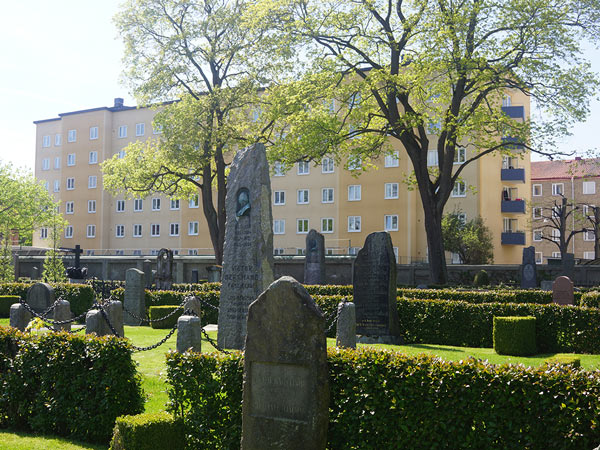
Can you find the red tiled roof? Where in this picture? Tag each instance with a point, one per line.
(561, 169)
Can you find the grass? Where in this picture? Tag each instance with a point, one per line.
(151, 365)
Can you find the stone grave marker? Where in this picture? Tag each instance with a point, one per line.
(546, 285)
(314, 261)
(19, 316)
(164, 269)
(346, 325)
(96, 323)
(134, 298)
(562, 291)
(374, 286)
(286, 389)
(148, 274)
(189, 334)
(248, 250)
(568, 265)
(40, 297)
(528, 269)
(62, 312)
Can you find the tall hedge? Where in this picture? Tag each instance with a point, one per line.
(64, 384)
(381, 400)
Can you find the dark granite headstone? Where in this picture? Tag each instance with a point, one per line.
(314, 260)
(562, 291)
(286, 383)
(40, 297)
(568, 265)
(375, 289)
(248, 251)
(148, 274)
(164, 269)
(528, 269)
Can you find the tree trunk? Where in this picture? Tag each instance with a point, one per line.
(435, 246)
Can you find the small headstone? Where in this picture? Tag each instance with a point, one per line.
(164, 269)
(96, 323)
(40, 297)
(346, 325)
(314, 261)
(248, 251)
(286, 383)
(375, 289)
(546, 285)
(562, 291)
(528, 269)
(189, 334)
(148, 274)
(19, 316)
(134, 297)
(193, 304)
(62, 312)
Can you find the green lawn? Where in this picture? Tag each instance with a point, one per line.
(152, 366)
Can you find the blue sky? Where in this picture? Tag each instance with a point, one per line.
(66, 55)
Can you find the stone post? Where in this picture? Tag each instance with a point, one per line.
(19, 316)
(189, 334)
(346, 326)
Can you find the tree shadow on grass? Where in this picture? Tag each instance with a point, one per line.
(27, 440)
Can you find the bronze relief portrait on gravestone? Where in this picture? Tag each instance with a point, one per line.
(243, 202)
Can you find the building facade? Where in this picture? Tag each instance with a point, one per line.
(332, 198)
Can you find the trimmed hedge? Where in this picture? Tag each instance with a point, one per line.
(148, 432)
(564, 359)
(424, 403)
(68, 385)
(156, 312)
(591, 299)
(5, 303)
(514, 336)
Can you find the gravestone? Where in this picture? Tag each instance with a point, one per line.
(148, 273)
(286, 389)
(528, 269)
(195, 276)
(562, 291)
(346, 325)
(214, 274)
(568, 265)
(314, 261)
(248, 250)
(189, 334)
(546, 285)
(19, 316)
(62, 312)
(193, 304)
(374, 276)
(96, 323)
(40, 297)
(164, 269)
(134, 298)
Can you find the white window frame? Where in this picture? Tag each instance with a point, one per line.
(46, 141)
(193, 228)
(120, 206)
(302, 197)
(555, 234)
(303, 168)
(155, 204)
(174, 229)
(457, 191)
(327, 195)
(57, 140)
(138, 230)
(91, 207)
(72, 136)
(537, 235)
(154, 229)
(120, 231)
(57, 162)
(391, 191)
(71, 159)
(539, 257)
(537, 190)
(92, 182)
(354, 224)
(460, 156)
(70, 183)
(279, 198)
(390, 222)
(122, 133)
(175, 204)
(355, 163)
(327, 165)
(302, 226)
(555, 189)
(138, 204)
(432, 158)
(588, 187)
(156, 128)
(277, 251)
(69, 207)
(588, 236)
(140, 129)
(69, 232)
(194, 202)
(278, 169)
(46, 164)
(354, 192)
(556, 254)
(589, 255)
(327, 225)
(279, 226)
(93, 157)
(588, 210)
(44, 233)
(392, 160)
(122, 153)
(93, 133)
(539, 210)
(90, 231)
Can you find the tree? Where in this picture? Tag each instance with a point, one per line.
(472, 240)
(592, 224)
(54, 268)
(429, 75)
(197, 52)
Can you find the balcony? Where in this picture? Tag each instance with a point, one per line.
(512, 238)
(513, 206)
(513, 174)
(514, 112)
(516, 144)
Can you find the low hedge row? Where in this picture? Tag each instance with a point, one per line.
(5, 303)
(64, 384)
(148, 432)
(424, 403)
(156, 312)
(514, 336)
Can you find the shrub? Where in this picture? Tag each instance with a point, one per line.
(69, 385)
(156, 312)
(5, 303)
(148, 432)
(591, 299)
(565, 360)
(481, 278)
(424, 403)
(514, 336)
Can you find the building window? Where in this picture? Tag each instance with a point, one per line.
(137, 253)
(46, 141)
(122, 154)
(175, 204)
(455, 258)
(193, 228)
(460, 156)
(72, 136)
(138, 204)
(69, 231)
(140, 129)
(47, 185)
(539, 257)
(555, 234)
(279, 226)
(392, 160)
(303, 168)
(391, 222)
(57, 140)
(353, 224)
(91, 231)
(300, 251)
(355, 163)
(194, 201)
(301, 226)
(506, 100)
(588, 210)
(93, 157)
(278, 169)
(327, 165)
(537, 212)
(537, 190)
(120, 231)
(137, 230)
(589, 255)
(537, 235)
(123, 131)
(589, 187)
(71, 159)
(57, 162)
(327, 225)
(156, 128)
(93, 133)
(353, 251)
(69, 207)
(120, 205)
(174, 229)
(460, 189)
(354, 192)
(91, 206)
(154, 229)
(46, 164)
(432, 158)
(391, 190)
(302, 196)
(589, 235)
(156, 204)
(70, 184)
(193, 252)
(557, 188)
(279, 198)
(277, 251)
(92, 182)
(327, 195)
(556, 254)
(44, 233)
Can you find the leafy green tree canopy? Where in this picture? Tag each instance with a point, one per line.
(471, 240)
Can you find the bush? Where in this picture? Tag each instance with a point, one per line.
(5, 303)
(148, 432)
(564, 360)
(64, 384)
(514, 336)
(424, 403)
(156, 312)
(481, 279)
(591, 299)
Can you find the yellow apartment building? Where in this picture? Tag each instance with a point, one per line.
(343, 205)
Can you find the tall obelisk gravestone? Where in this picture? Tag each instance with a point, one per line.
(248, 252)
(314, 261)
